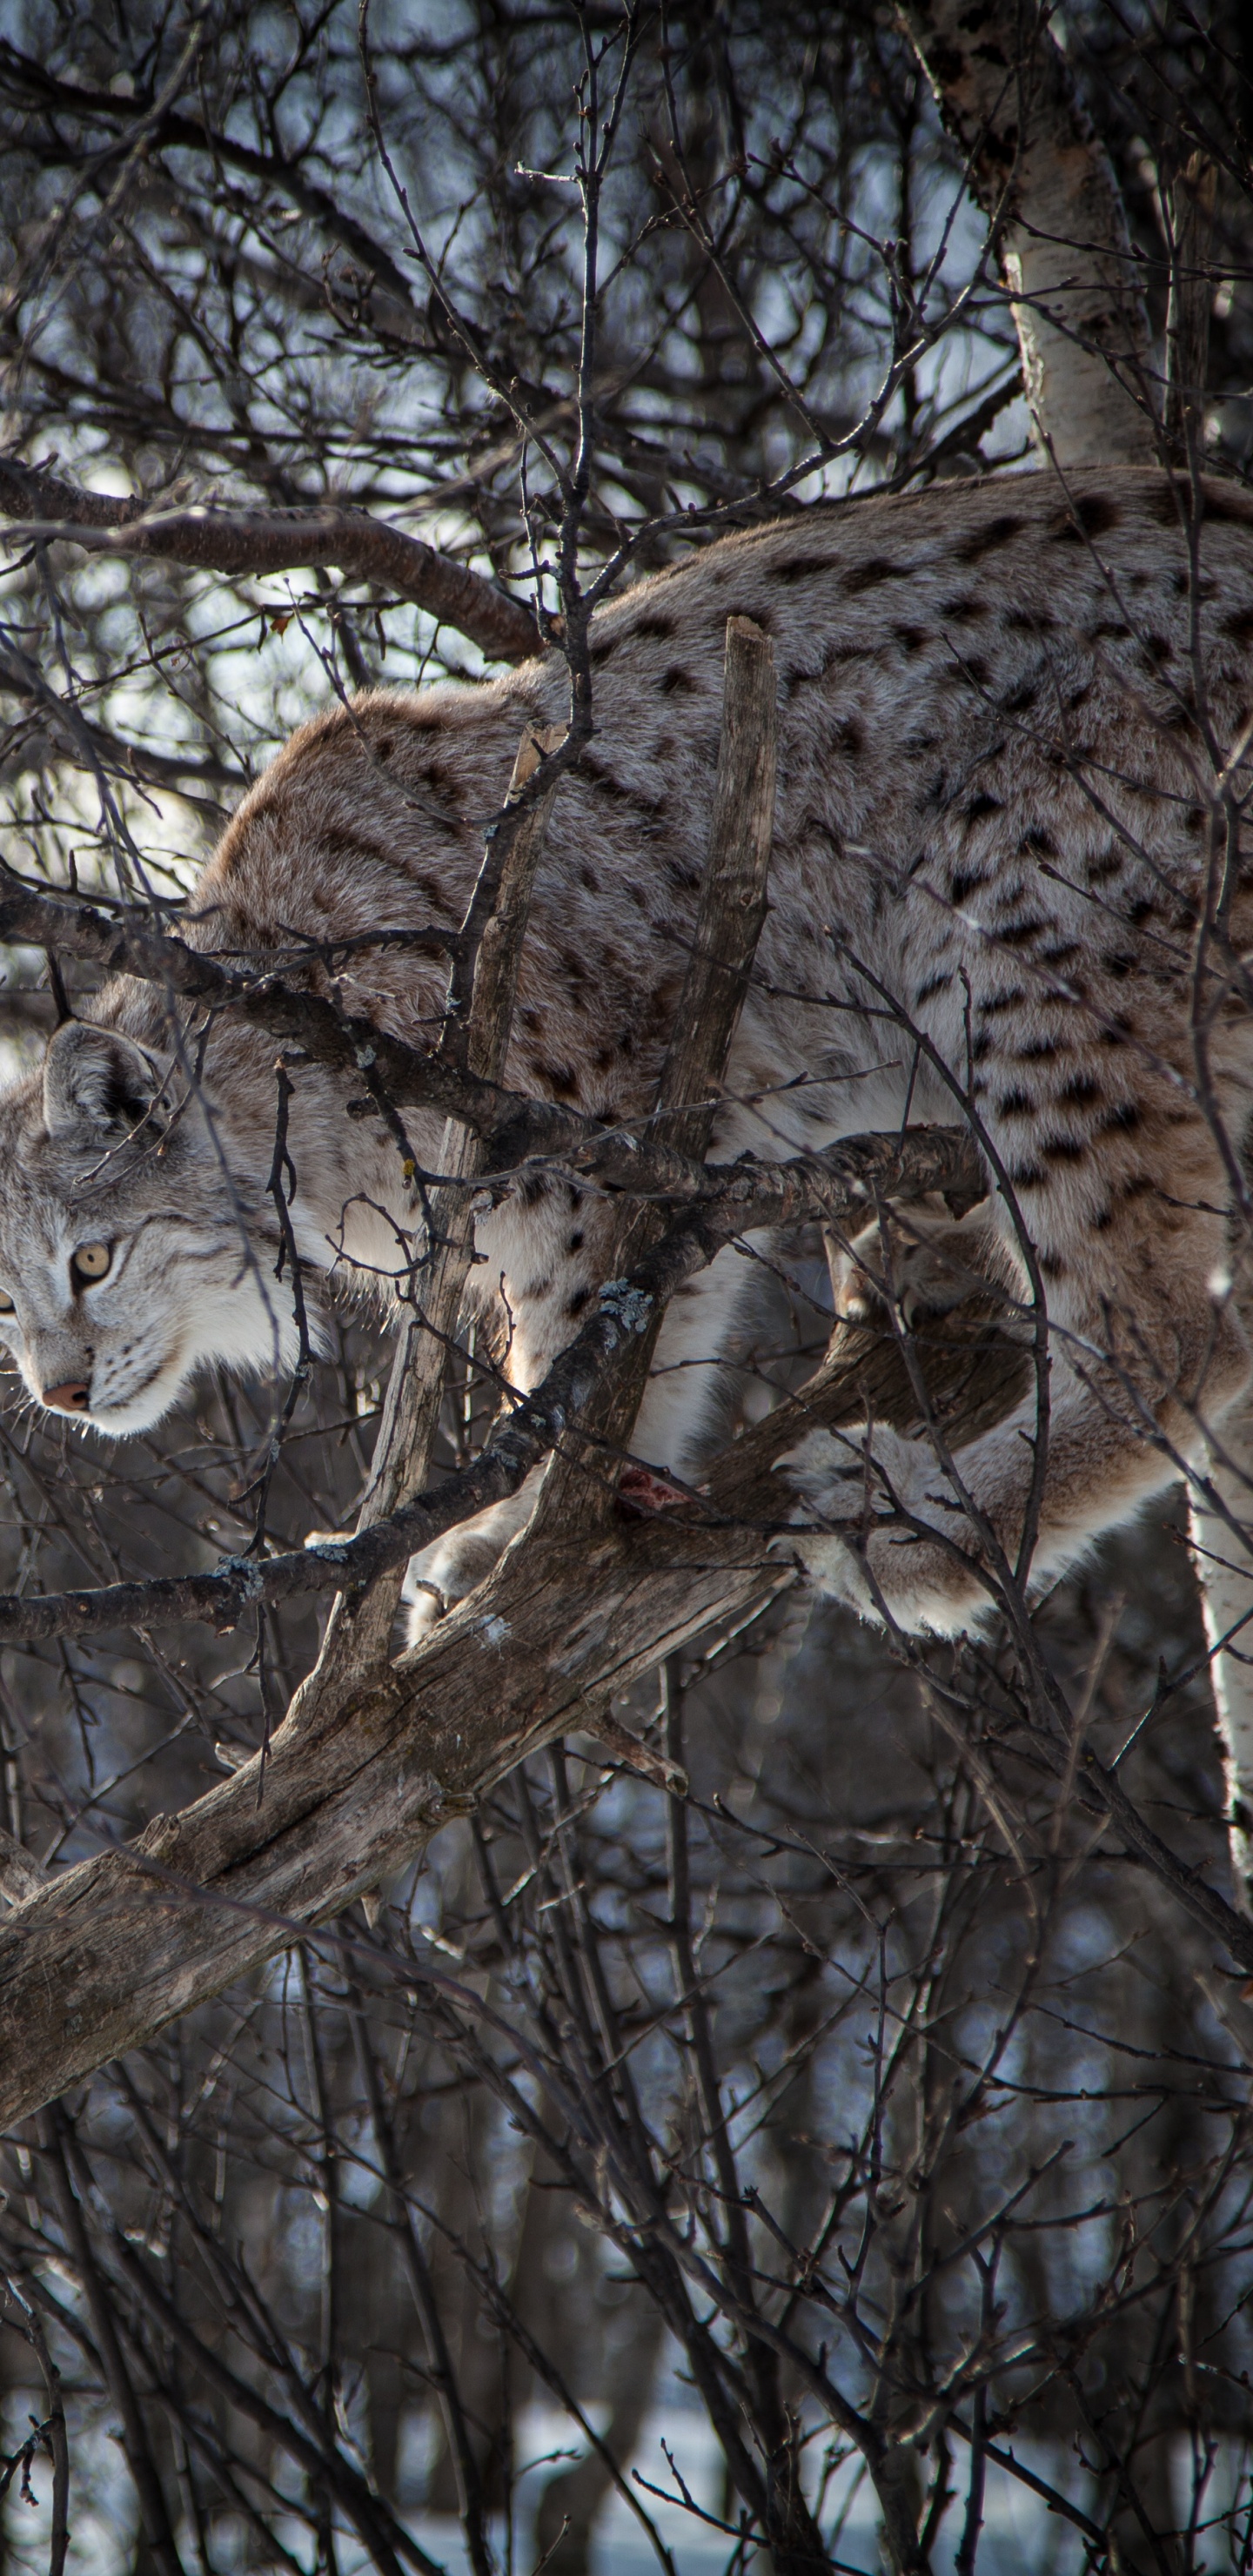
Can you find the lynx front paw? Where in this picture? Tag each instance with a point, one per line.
(444, 1573)
(457, 1563)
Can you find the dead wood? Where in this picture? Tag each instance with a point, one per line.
(478, 1017)
(729, 917)
(1193, 200)
(102, 1956)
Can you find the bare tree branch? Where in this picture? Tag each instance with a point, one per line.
(908, 2105)
(44, 509)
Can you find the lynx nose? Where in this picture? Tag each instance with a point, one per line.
(73, 1397)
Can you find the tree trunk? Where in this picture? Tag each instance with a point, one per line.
(1045, 181)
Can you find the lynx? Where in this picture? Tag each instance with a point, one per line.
(1013, 719)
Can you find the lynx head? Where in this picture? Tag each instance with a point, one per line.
(128, 1256)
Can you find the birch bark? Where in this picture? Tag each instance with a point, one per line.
(1046, 182)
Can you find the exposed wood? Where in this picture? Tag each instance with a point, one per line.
(1223, 1556)
(1039, 171)
(20, 1873)
(483, 980)
(732, 904)
(490, 948)
(114, 1947)
(373, 1756)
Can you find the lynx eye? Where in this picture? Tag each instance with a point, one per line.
(7, 1306)
(92, 1261)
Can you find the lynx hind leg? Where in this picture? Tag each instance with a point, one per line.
(890, 1529)
(926, 1261)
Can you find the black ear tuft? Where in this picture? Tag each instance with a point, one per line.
(96, 1078)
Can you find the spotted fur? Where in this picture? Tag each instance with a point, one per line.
(1003, 708)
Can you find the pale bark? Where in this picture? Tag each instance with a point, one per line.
(1223, 1554)
(485, 971)
(1045, 179)
(321, 1777)
(112, 1949)
(729, 918)
(373, 1756)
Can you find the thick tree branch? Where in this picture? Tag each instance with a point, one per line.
(478, 1016)
(729, 918)
(1188, 317)
(732, 905)
(105, 1953)
(45, 509)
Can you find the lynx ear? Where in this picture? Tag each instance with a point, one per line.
(95, 1078)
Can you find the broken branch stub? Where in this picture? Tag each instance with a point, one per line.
(372, 1758)
(116, 1946)
(733, 902)
(1193, 199)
